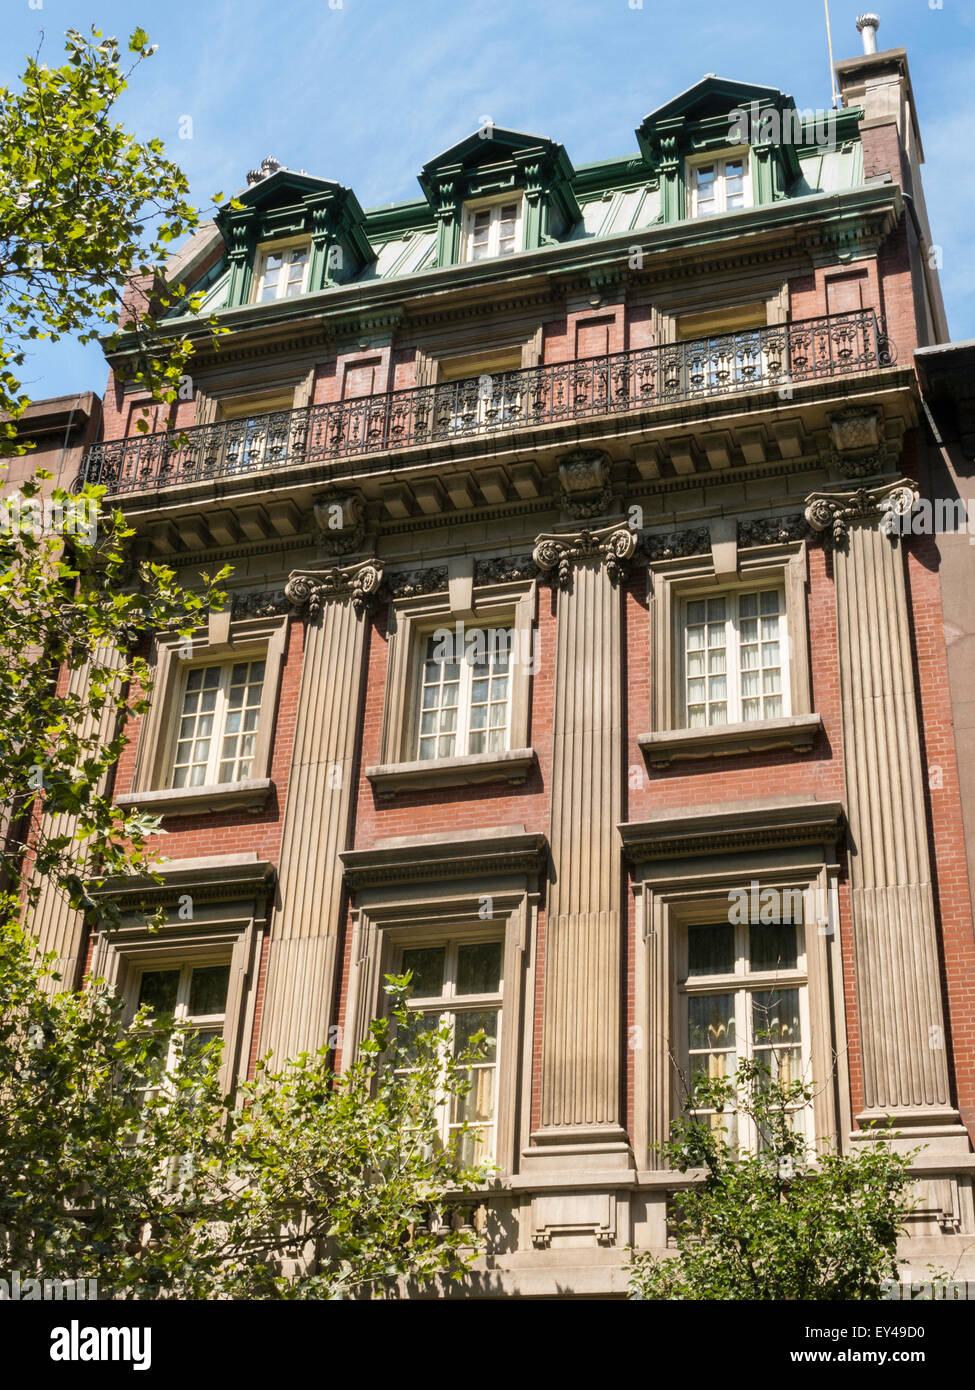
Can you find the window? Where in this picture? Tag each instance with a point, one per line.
(493, 229)
(719, 185)
(465, 695)
(744, 995)
(196, 996)
(458, 985)
(724, 350)
(260, 434)
(735, 664)
(282, 273)
(478, 393)
(216, 732)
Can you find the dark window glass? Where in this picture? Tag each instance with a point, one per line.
(208, 990)
(772, 946)
(427, 965)
(158, 989)
(711, 949)
(479, 968)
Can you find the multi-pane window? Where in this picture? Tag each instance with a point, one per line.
(718, 186)
(196, 996)
(465, 694)
(734, 658)
(282, 273)
(457, 985)
(216, 731)
(744, 996)
(494, 230)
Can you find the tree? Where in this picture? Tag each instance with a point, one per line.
(126, 1167)
(121, 1158)
(87, 215)
(780, 1223)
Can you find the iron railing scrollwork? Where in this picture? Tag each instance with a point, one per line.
(698, 369)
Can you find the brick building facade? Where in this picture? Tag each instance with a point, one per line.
(635, 435)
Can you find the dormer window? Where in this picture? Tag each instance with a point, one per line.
(492, 229)
(282, 272)
(717, 185)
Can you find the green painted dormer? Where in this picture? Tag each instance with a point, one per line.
(499, 191)
(722, 145)
(293, 234)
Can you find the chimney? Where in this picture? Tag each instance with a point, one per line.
(868, 24)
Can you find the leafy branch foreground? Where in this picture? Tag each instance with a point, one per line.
(779, 1223)
(126, 1167)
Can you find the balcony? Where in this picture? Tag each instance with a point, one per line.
(697, 370)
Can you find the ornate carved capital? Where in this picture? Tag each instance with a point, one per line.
(360, 584)
(613, 546)
(834, 513)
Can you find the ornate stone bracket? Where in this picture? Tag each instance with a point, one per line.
(584, 479)
(832, 514)
(341, 523)
(857, 444)
(613, 546)
(359, 583)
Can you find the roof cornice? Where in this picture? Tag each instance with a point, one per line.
(827, 216)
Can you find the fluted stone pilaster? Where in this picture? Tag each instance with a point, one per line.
(580, 1081)
(905, 1071)
(305, 932)
(58, 926)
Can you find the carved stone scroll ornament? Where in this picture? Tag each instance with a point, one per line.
(772, 530)
(672, 545)
(613, 546)
(360, 584)
(265, 603)
(832, 514)
(500, 569)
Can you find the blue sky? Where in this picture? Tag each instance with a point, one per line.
(365, 91)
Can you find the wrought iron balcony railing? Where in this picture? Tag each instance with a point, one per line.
(727, 364)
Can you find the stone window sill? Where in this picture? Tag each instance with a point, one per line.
(249, 795)
(797, 731)
(513, 765)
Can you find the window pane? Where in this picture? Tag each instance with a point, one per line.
(711, 950)
(711, 1021)
(476, 1021)
(208, 990)
(427, 965)
(772, 946)
(417, 1024)
(775, 1017)
(158, 989)
(479, 967)
(478, 1104)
